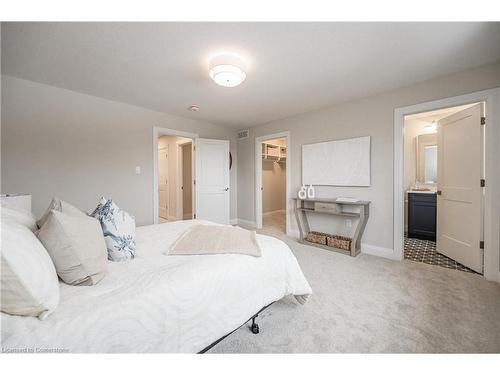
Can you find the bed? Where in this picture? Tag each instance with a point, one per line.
(159, 303)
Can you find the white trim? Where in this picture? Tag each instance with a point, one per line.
(157, 132)
(178, 183)
(273, 212)
(383, 252)
(246, 223)
(492, 155)
(233, 221)
(294, 233)
(258, 177)
(182, 142)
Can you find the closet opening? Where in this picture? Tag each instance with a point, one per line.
(273, 184)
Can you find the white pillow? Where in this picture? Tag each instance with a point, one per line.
(76, 246)
(118, 228)
(29, 283)
(61, 206)
(19, 216)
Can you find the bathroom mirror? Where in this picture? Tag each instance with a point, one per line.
(426, 157)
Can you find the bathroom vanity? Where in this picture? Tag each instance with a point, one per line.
(422, 215)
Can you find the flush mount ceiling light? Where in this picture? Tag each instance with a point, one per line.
(227, 70)
(193, 108)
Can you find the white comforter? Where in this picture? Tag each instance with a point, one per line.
(159, 303)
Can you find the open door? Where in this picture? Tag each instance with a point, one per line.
(460, 195)
(212, 180)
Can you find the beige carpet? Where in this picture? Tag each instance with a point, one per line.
(369, 304)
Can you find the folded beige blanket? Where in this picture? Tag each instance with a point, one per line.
(216, 239)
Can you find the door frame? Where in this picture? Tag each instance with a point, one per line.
(491, 97)
(157, 132)
(258, 177)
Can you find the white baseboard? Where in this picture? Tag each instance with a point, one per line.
(246, 223)
(294, 233)
(233, 221)
(378, 251)
(269, 213)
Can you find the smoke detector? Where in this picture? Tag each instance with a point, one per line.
(193, 108)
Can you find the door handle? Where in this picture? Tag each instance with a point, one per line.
(226, 189)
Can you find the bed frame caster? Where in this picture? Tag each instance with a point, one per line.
(255, 327)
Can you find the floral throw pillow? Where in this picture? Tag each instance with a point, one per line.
(118, 228)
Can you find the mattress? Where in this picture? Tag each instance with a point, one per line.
(159, 303)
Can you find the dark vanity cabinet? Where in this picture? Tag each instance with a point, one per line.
(422, 216)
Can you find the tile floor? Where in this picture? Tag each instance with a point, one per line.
(425, 251)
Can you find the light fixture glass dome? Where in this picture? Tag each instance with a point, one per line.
(227, 70)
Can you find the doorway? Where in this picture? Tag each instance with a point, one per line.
(208, 177)
(272, 183)
(491, 223)
(443, 174)
(175, 178)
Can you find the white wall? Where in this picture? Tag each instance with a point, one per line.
(373, 116)
(78, 147)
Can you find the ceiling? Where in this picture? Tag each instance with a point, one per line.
(293, 67)
(438, 114)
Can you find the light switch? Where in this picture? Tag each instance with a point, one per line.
(137, 170)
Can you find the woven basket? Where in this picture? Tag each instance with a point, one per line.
(317, 237)
(339, 242)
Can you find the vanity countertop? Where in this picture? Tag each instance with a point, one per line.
(421, 191)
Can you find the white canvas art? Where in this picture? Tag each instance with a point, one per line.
(344, 162)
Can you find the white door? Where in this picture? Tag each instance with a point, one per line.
(212, 180)
(460, 195)
(163, 185)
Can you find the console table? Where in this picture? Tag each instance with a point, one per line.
(324, 206)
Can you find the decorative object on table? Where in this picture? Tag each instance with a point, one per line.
(310, 192)
(346, 200)
(118, 227)
(302, 192)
